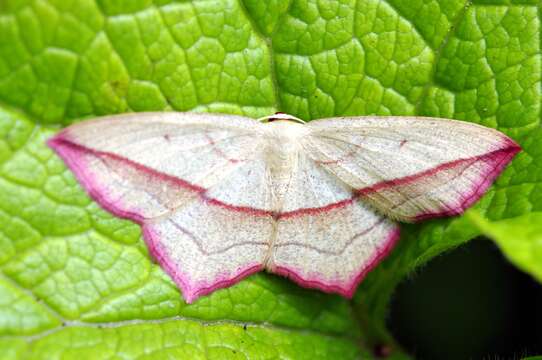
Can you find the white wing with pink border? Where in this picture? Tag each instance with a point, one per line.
(195, 182)
(411, 168)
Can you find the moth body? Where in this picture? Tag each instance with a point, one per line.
(281, 157)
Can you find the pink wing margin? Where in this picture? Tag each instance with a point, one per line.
(75, 157)
(83, 162)
(490, 166)
(192, 291)
(412, 169)
(343, 286)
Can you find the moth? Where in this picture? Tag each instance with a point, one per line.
(220, 197)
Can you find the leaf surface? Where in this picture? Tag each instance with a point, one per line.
(75, 280)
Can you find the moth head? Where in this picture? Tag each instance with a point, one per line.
(280, 116)
(284, 128)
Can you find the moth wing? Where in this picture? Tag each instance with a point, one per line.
(205, 247)
(324, 238)
(196, 182)
(144, 165)
(411, 168)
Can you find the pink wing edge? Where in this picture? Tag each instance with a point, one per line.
(345, 289)
(68, 152)
(498, 159)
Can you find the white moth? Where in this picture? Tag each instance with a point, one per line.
(220, 197)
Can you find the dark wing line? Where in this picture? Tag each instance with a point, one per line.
(359, 235)
(200, 247)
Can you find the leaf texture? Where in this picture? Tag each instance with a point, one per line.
(66, 261)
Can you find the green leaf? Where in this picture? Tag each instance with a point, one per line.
(75, 281)
(182, 338)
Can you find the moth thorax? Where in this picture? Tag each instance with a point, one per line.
(287, 128)
(282, 153)
(284, 142)
(282, 159)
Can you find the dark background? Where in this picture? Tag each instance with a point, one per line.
(469, 303)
